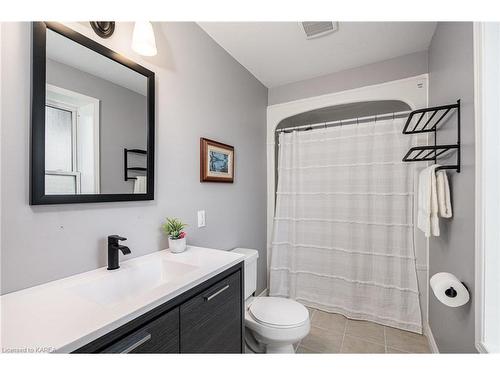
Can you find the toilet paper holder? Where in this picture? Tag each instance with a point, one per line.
(449, 290)
(452, 293)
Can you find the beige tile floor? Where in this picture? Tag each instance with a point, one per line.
(334, 333)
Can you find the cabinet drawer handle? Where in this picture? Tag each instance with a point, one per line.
(216, 293)
(126, 347)
(136, 344)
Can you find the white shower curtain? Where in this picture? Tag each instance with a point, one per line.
(343, 226)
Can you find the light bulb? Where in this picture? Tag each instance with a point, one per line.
(143, 39)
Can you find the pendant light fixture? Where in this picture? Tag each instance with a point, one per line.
(143, 39)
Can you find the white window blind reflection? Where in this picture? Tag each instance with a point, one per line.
(60, 184)
(58, 139)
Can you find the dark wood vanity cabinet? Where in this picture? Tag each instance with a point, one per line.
(211, 321)
(159, 336)
(208, 318)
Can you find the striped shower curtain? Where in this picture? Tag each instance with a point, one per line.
(343, 226)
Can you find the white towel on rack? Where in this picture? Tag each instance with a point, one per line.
(443, 193)
(427, 218)
(140, 185)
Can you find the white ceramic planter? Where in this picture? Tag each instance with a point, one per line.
(177, 246)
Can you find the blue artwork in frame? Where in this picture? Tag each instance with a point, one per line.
(219, 162)
(216, 161)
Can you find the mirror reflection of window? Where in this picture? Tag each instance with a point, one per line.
(71, 142)
(60, 173)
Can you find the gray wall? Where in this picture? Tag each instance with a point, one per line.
(383, 71)
(451, 70)
(123, 121)
(201, 92)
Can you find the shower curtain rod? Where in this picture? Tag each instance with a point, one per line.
(356, 120)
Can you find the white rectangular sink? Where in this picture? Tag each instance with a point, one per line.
(131, 280)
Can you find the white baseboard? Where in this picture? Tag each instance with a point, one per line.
(430, 338)
(263, 293)
(481, 348)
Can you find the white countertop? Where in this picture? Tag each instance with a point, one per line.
(66, 314)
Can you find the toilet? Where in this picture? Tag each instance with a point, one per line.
(272, 324)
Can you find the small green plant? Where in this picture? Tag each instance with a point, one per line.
(173, 227)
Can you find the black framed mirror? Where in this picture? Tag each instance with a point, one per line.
(92, 121)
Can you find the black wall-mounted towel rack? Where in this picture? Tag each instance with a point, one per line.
(126, 168)
(432, 152)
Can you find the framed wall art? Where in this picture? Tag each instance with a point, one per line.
(216, 161)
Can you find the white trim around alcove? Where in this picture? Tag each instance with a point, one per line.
(412, 90)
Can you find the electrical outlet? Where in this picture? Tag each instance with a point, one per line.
(201, 219)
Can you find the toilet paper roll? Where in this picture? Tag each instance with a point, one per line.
(449, 290)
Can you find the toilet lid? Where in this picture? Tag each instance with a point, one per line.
(280, 312)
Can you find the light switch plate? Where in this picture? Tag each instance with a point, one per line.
(201, 219)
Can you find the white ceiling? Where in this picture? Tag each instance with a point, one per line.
(65, 51)
(278, 52)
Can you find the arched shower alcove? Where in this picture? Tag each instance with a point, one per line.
(342, 113)
(391, 97)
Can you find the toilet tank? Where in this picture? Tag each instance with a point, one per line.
(251, 257)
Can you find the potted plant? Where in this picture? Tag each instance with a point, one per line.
(176, 236)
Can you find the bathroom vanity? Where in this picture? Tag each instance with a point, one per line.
(92, 140)
(158, 303)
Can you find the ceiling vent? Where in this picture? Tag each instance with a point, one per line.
(318, 29)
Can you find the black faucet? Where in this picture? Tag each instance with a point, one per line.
(113, 247)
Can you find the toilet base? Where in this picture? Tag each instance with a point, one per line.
(254, 346)
(280, 349)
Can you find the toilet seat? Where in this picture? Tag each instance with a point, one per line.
(276, 312)
(276, 322)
